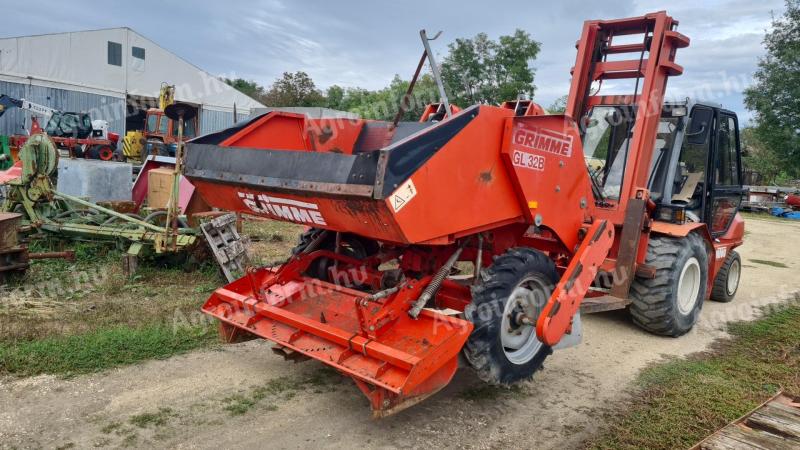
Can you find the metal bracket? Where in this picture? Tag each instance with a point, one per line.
(435, 68)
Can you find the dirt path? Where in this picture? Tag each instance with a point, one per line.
(244, 396)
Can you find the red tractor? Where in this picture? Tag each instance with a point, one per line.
(487, 231)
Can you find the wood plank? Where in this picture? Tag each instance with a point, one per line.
(772, 416)
(773, 425)
(785, 404)
(727, 441)
(763, 439)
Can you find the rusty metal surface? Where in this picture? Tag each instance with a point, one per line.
(68, 255)
(280, 184)
(9, 223)
(604, 303)
(628, 247)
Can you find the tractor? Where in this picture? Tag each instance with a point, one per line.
(160, 134)
(485, 232)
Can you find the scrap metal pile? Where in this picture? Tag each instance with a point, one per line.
(33, 194)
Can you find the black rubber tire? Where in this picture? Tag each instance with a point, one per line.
(353, 246)
(654, 304)
(357, 247)
(93, 152)
(719, 292)
(306, 238)
(484, 348)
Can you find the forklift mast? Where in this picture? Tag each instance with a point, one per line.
(653, 62)
(646, 57)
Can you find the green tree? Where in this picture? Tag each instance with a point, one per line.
(293, 89)
(480, 70)
(383, 104)
(775, 96)
(334, 97)
(559, 105)
(761, 160)
(246, 87)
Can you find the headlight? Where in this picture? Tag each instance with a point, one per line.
(672, 214)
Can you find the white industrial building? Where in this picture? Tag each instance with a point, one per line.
(114, 74)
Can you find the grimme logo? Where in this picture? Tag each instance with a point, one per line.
(544, 140)
(283, 208)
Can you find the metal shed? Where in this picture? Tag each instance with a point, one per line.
(113, 74)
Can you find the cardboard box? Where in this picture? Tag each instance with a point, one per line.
(9, 223)
(159, 187)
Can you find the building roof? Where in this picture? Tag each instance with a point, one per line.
(113, 62)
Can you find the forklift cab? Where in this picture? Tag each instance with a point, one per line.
(161, 133)
(161, 126)
(695, 170)
(704, 174)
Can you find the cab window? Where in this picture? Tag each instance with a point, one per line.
(605, 147)
(188, 130)
(690, 176)
(726, 170)
(164, 124)
(152, 123)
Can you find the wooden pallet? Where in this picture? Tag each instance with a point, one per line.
(775, 425)
(229, 248)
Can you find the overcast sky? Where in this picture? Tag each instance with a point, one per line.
(364, 43)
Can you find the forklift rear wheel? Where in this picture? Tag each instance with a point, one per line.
(503, 347)
(669, 304)
(727, 282)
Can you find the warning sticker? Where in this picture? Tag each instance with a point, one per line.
(403, 195)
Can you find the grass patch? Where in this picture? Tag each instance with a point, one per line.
(765, 216)
(110, 428)
(483, 392)
(281, 388)
(683, 401)
(271, 241)
(67, 317)
(100, 349)
(154, 419)
(767, 262)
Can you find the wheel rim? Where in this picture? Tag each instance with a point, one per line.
(520, 343)
(689, 286)
(734, 272)
(106, 154)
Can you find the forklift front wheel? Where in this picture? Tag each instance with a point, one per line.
(669, 304)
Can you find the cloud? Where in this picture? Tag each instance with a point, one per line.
(365, 43)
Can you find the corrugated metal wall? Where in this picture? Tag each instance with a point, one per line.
(104, 107)
(211, 120)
